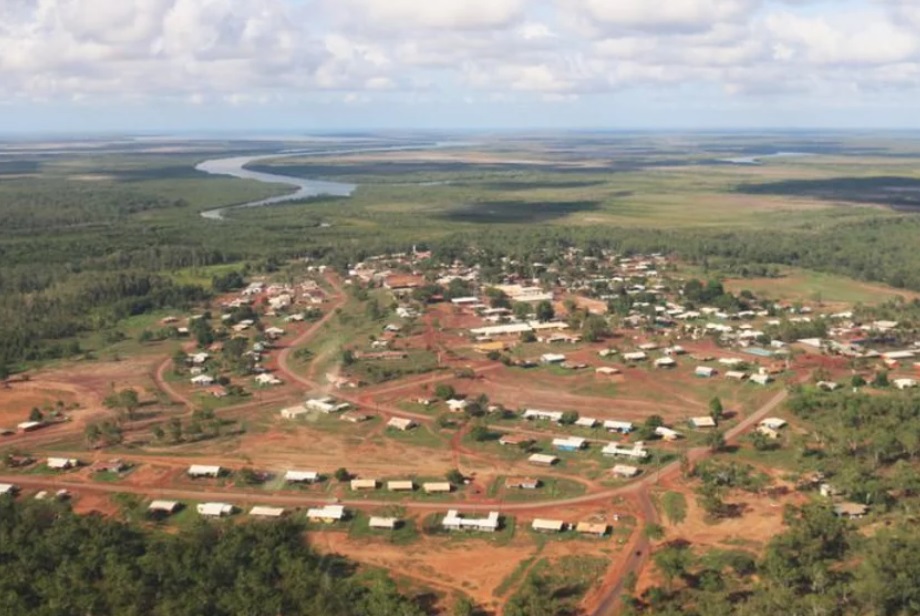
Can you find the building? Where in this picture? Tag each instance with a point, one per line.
(705, 372)
(515, 439)
(586, 422)
(637, 450)
(267, 379)
(326, 405)
(456, 406)
(704, 421)
(570, 443)
(547, 526)
(327, 514)
(455, 521)
(850, 510)
(904, 383)
(761, 379)
(590, 528)
(774, 423)
(437, 487)
(542, 459)
(545, 415)
(354, 417)
(623, 427)
(522, 483)
(7, 489)
(400, 486)
(163, 507)
(62, 464)
(301, 477)
(29, 426)
(665, 362)
(667, 434)
(625, 471)
(502, 330)
(200, 470)
(736, 375)
(214, 510)
(294, 412)
(552, 358)
(202, 380)
(635, 356)
(380, 523)
(400, 423)
(363, 484)
(607, 371)
(266, 512)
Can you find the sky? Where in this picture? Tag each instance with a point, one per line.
(350, 65)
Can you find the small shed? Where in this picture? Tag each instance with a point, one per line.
(541, 525)
(215, 510)
(400, 486)
(437, 487)
(381, 523)
(266, 512)
(363, 484)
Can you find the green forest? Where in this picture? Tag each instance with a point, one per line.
(56, 563)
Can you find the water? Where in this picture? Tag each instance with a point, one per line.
(756, 160)
(304, 188)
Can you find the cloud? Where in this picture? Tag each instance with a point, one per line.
(437, 14)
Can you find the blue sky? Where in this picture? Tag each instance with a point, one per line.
(322, 65)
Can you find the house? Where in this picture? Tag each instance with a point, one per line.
(214, 510)
(904, 383)
(635, 356)
(326, 514)
(586, 422)
(704, 421)
(294, 412)
(502, 330)
(163, 507)
(29, 426)
(455, 521)
(850, 510)
(400, 423)
(623, 427)
(266, 512)
(625, 471)
(607, 371)
(62, 464)
(570, 443)
(274, 332)
(437, 487)
(199, 358)
(552, 358)
(522, 483)
(379, 523)
(736, 375)
(111, 466)
(546, 415)
(400, 486)
(456, 406)
(761, 379)
(547, 526)
(363, 484)
(301, 477)
(704, 372)
(637, 450)
(8, 489)
(542, 459)
(665, 362)
(326, 405)
(200, 470)
(354, 417)
(827, 385)
(667, 434)
(266, 379)
(768, 432)
(774, 423)
(202, 380)
(590, 528)
(515, 439)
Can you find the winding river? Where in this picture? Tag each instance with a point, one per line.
(303, 188)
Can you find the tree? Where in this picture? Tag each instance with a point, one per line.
(444, 391)
(454, 476)
(35, 414)
(342, 475)
(348, 357)
(595, 328)
(522, 311)
(654, 532)
(480, 434)
(715, 440)
(126, 401)
(715, 409)
(249, 477)
(858, 381)
(568, 418)
(463, 607)
(881, 380)
(545, 311)
(672, 561)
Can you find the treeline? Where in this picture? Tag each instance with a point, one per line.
(53, 562)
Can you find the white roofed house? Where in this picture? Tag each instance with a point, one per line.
(571, 443)
(623, 427)
(266, 512)
(547, 526)
(201, 470)
(637, 450)
(326, 405)
(624, 470)
(455, 521)
(327, 514)
(542, 459)
(761, 378)
(665, 362)
(635, 356)
(163, 507)
(363, 484)
(62, 464)
(301, 477)
(704, 421)
(586, 422)
(704, 372)
(547, 415)
(202, 380)
(266, 379)
(400, 423)
(7, 489)
(215, 510)
(667, 434)
(294, 412)
(904, 383)
(552, 358)
(456, 405)
(381, 523)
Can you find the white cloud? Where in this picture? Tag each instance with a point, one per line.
(440, 14)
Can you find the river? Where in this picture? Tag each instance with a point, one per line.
(303, 188)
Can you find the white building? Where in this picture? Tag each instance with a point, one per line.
(455, 521)
(214, 510)
(637, 450)
(326, 405)
(301, 476)
(545, 415)
(201, 470)
(327, 514)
